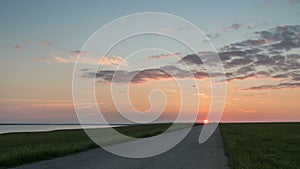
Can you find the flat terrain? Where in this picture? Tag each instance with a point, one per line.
(188, 154)
(266, 146)
(21, 148)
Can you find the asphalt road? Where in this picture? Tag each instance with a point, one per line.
(188, 154)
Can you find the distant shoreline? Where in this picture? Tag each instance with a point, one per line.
(61, 124)
(28, 128)
(129, 124)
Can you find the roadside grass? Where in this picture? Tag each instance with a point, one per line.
(22, 148)
(262, 145)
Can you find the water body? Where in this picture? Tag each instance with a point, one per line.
(11, 128)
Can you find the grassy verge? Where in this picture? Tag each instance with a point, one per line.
(21, 148)
(262, 146)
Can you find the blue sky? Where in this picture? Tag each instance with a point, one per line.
(77, 20)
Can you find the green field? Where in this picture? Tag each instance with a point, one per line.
(21, 148)
(262, 146)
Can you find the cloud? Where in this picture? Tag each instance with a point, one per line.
(287, 37)
(277, 86)
(85, 59)
(120, 76)
(113, 61)
(176, 72)
(140, 76)
(250, 26)
(251, 42)
(19, 47)
(270, 54)
(235, 26)
(209, 58)
(229, 54)
(273, 53)
(165, 30)
(72, 58)
(246, 69)
(161, 56)
(191, 59)
(44, 43)
(240, 77)
(270, 61)
(213, 36)
(276, 40)
(238, 62)
(280, 76)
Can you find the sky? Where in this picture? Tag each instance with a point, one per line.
(258, 43)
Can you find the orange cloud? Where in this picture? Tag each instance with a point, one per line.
(86, 59)
(113, 60)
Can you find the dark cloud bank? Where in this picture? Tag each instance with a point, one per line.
(274, 53)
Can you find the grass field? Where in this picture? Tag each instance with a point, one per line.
(262, 146)
(21, 148)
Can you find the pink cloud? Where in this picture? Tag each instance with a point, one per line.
(165, 30)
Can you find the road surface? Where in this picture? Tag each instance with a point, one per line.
(188, 154)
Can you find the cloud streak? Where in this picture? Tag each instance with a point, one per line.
(277, 86)
(162, 56)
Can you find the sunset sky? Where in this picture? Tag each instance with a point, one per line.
(257, 41)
